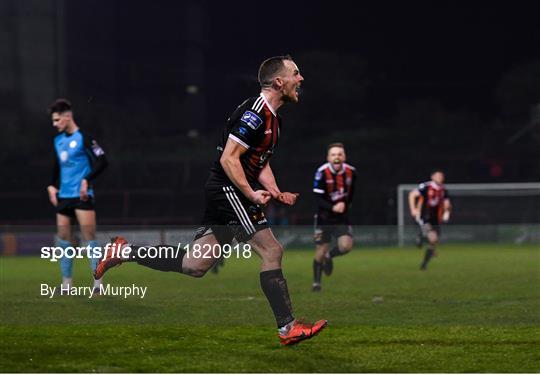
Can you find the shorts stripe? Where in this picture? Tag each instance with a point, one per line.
(235, 208)
(242, 209)
(239, 210)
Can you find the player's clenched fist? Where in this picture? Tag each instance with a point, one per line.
(260, 197)
(287, 198)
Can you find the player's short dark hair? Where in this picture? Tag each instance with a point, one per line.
(60, 106)
(436, 170)
(335, 144)
(269, 69)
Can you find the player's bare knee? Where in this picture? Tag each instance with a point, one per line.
(346, 248)
(345, 244)
(273, 253)
(432, 237)
(199, 273)
(196, 272)
(320, 252)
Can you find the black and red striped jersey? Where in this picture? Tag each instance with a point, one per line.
(432, 197)
(256, 126)
(331, 186)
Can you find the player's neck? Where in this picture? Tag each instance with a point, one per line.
(336, 168)
(72, 128)
(273, 98)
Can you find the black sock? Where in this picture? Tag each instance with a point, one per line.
(427, 256)
(167, 258)
(335, 252)
(275, 289)
(317, 272)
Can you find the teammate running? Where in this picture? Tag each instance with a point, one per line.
(334, 189)
(430, 206)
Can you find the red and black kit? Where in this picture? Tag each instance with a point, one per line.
(255, 126)
(432, 197)
(331, 187)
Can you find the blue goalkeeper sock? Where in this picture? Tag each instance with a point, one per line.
(93, 261)
(66, 264)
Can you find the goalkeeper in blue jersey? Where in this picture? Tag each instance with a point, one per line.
(78, 160)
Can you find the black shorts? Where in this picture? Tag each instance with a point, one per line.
(327, 226)
(426, 225)
(67, 206)
(229, 214)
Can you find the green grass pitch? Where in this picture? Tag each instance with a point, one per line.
(477, 309)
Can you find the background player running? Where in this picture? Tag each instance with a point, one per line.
(241, 182)
(334, 189)
(78, 160)
(430, 206)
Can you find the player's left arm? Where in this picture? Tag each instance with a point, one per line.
(350, 196)
(447, 207)
(268, 181)
(98, 165)
(99, 160)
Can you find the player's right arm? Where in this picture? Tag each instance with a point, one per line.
(319, 188)
(52, 189)
(230, 161)
(447, 207)
(414, 203)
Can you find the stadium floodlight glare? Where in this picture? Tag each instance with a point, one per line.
(481, 204)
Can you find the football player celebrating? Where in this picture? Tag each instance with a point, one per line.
(333, 188)
(241, 183)
(430, 206)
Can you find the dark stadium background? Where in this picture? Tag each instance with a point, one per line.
(406, 86)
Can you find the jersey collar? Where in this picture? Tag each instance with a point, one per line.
(342, 170)
(268, 105)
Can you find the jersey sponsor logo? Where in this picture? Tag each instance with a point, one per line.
(73, 144)
(318, 175)
(64, 156)
(434, 197)
(269, 131)
(242, 130)
(251, 119)
(433, 202)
